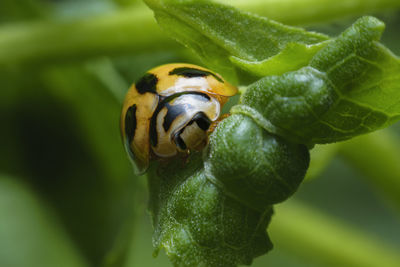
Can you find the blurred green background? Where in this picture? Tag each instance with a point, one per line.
(68, 196)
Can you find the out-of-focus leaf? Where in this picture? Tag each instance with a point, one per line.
(104, 70)
(21, 10)
(86, 8)
(377, 157)
(110, 187)
(15, 87)
(321, 156)
(30, 235)
(125, 3)
(97, 111)
(132, 67)
(111, 34)
(327, 240)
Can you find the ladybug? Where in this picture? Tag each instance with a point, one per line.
(170, 111)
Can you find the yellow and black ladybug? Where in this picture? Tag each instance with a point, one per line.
(170, 110)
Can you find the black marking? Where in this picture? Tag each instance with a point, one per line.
(167, 122)
(173, 112)
(130, 125)
(153, 124)
(202, 121)
(179, 141)
(203, 95)
(147, 84)
(192, 72)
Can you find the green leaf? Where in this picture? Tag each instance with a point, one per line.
(350, 88)
(292, 57)
(216, 214)
(199, 225)
(313, 12)
(253, 166)
(218, 32)
(282, 105)
(255, 157)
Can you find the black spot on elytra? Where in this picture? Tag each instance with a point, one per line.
(130, 124)
(147, 84)
(179, 141)
(202, 95)
(173, 111)
(192, 72)
(202, 121)
(172, 114)
(153, 124)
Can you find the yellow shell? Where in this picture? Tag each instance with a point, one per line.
(169, 110)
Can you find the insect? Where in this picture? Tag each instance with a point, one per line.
(170, 111)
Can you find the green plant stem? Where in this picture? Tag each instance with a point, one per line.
(134, 30)
(301, 12)
(131, 30)
(377, 156)
(324, 239)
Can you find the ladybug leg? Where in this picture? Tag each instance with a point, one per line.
(185, 158)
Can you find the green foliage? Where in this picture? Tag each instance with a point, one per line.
(322, 91)
(312, 12)
(383, 144)
(62, 139)
(293, 218)
(198, 224)
(253, 166)
(348, 89)
(22, 10)
(216, 216)
(218, 33)
(292, 57)
(68, 195)
(108, 35)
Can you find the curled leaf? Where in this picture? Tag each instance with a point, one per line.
(255, 167)
(213, 210)
(198, 224)
(292, 57)
(216, 215)
(349, 89)
(219, 33)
